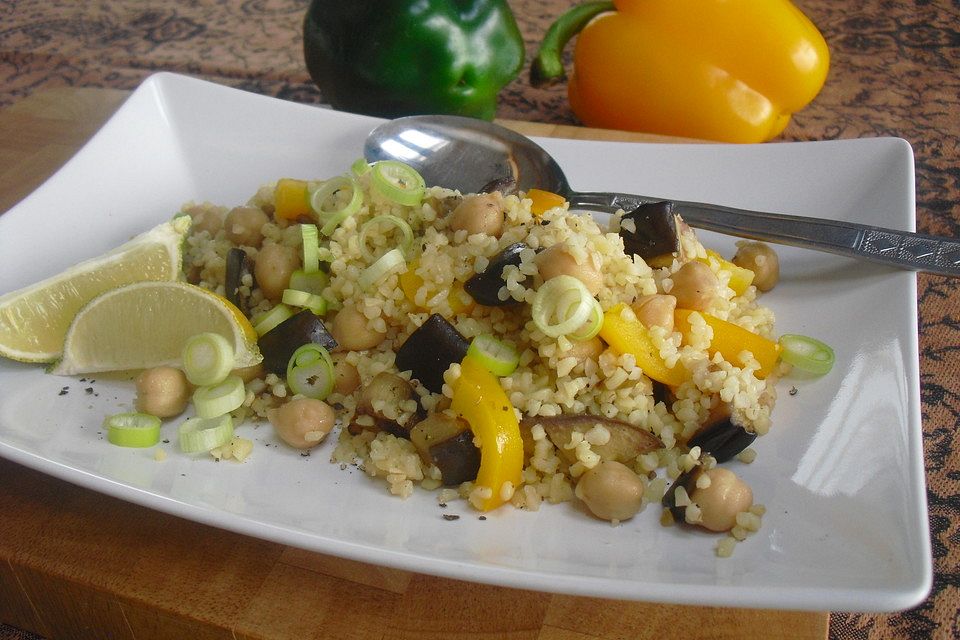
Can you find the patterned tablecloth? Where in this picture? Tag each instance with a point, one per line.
(894, 72)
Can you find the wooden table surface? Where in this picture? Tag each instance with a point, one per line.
(75, 564)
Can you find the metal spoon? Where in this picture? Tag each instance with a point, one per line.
(465, 154)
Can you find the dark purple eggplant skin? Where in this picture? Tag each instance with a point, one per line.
(655, 233)
(457, 458)
(239, 264)
(662, 393)
(278, 344)
(506, 185)
(723, 440)
(430, 350)
(687, 480)
(483, 287)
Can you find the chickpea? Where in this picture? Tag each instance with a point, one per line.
(721, 501)
(695, 286)
(584, 349)
(205, 218)
(303, 422)
(244, 225)
(345, 375)
(389, 389)
(611, 491)
(163, 392)
(762, 260)
(275, 263)
(558, 260)
(481, 213)
(655, 310)
(351, 331)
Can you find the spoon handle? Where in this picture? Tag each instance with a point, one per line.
(902, 249)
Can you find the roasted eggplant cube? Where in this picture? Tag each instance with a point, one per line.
(239, 265)
(506, 185)
(457, 458)
(430, 350)
(278, 344)
(447, 442)
(655, 230)
(484, 287)
(687, 480)
(723, 440)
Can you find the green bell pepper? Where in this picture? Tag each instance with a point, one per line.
(401, 57)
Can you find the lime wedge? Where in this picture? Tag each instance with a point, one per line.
(147, 324)
(34, 320)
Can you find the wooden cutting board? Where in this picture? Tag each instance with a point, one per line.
(75, 564)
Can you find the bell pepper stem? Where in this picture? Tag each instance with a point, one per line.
(547, 66)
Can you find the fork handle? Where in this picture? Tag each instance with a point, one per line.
(901, 249)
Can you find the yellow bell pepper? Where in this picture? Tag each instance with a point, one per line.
(542, 201)
(727, 70)
(290, 199)
(480, 400)
(410, 283)
(625, 335)
(740, 278)
(729, 340)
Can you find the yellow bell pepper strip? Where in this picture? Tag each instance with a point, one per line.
(542, 201)
(410, 283)
(626, 335)
(740, 278)
(727, 70)
(729, 340)
(480, 400)
(290, 199)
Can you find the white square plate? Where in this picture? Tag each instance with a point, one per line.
(841, 473)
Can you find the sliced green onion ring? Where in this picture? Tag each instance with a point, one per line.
(360, 167)
(398, 182)
(499, 357)
(561, 305)
(267, 321)
(406, 244)
(132, 429)
(203, 434)
(218, 399)
(314, 282)
(310, 372)
(806, 353)
(208, 359)
(390, 262)
(311, 247)
(343, 209)
(305, 300)
(593, 325)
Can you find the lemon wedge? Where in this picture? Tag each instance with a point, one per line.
(34, 320)
(147, 324)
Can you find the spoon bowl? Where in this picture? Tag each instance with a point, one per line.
(467, 154)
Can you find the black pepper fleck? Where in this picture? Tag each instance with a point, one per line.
(482, 518)
(450, 517)
(793, 391)
(442, 505)
(64, 391)
(88, 390)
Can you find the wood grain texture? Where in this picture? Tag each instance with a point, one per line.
(76, 564)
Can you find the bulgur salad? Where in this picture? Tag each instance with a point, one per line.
(493, 347)
(498, 348)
